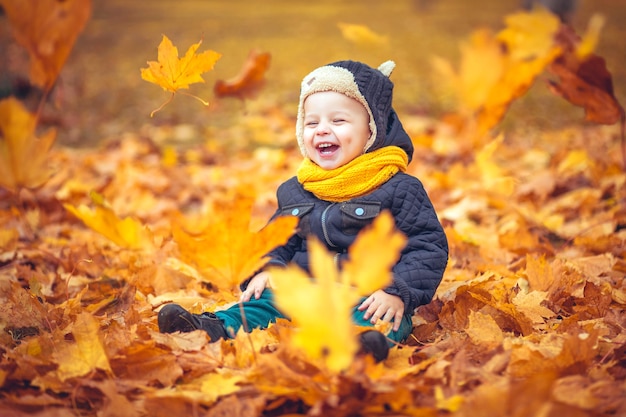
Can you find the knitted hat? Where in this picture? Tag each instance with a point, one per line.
(370, 87)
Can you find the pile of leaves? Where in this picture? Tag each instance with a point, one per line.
(529, 319)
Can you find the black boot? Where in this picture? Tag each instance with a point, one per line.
(173, 318)
(374, 343)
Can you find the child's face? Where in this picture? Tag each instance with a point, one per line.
(336, 129)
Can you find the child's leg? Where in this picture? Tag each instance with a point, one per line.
(256, 314)
(406, 326)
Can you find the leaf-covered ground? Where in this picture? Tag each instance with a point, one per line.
(529, 319)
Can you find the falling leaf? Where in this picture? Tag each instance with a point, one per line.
(48, 30)
(370, 273)
(23, 157)
(529, 35)
(584, 79)
(496, 69)
(227, 250)
(588, 84)
(361, 35)
(591, 37)
(173, 73)
(321, 307)
(126, 233)
(249, 81)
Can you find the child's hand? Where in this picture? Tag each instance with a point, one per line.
(381, 305)
(255, 287)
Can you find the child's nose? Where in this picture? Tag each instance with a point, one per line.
(322, 128)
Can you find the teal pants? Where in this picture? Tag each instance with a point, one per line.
(260, 313)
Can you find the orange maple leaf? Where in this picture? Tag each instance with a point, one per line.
(227, 251)
(173, 73)
(496, 69)
(249, 80)
(23, 157)
(48, 30)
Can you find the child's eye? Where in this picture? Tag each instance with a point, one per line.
(339, 120)
(311, 123)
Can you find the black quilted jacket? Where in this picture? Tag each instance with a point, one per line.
(417, 274)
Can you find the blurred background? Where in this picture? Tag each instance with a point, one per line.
(101, 95)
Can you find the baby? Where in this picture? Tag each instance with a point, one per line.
(355, 154)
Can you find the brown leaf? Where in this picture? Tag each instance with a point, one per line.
(148, 364)
(585, 82)
(250, 79)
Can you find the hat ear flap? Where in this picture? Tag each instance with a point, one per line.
(387, 68)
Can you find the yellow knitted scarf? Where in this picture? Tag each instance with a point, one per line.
(356, 178)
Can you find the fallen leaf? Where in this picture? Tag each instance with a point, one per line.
(84, 355)
(450, 404)
(530, 304)
(484, 331)
(219, 384)
(126, 233)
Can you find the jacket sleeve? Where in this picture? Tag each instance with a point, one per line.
(422, 262)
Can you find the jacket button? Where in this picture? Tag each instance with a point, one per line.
(359, 211)
(295, 212)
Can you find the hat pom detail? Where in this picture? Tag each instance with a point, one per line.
(387, 68)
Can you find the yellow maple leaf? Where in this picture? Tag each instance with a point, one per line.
(173, 73)
(369, 273)
(361, 35)
(23, 157)
(127, 232)
(529, 35)
(86, 354)
(321, 307)
(227, 251)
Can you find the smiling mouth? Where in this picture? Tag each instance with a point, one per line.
(326, 148)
